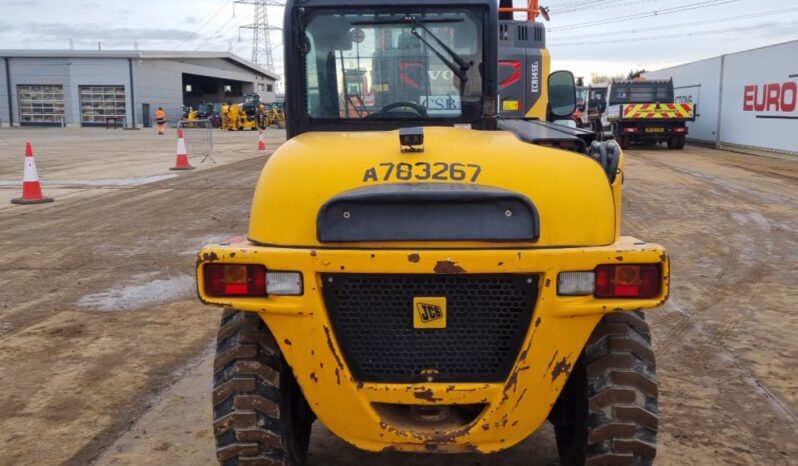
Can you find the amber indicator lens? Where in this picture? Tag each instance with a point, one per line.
(235, 280)
(627, 281)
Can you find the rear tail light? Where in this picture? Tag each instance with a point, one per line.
(612, 281)
(250, 280)
(627, 281)
(235, 280)
(630, 130)
(680, 130)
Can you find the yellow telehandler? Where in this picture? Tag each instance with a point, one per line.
(432, 273)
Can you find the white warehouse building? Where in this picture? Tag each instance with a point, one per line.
(745, 101)
(91, 88)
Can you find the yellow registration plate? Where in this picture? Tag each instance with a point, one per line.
(655, 130)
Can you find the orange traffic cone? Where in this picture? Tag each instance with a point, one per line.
(182, 156)
(261, 143)
(31, 188)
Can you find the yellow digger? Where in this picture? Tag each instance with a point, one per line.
(424, 274)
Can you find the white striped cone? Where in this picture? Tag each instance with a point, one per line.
(261, 142)
(31, 188)
(182, 154)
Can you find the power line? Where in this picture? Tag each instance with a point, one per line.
(687, 34)
(604, 6)
(212, 36)
(691, 23)
(666, 11)
(205, 23)
(595, 5)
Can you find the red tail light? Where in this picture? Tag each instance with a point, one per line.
(235, 280)
(680, 130)
(627, 281)
(630, 130)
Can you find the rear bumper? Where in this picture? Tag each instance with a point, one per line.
(641, 128)
(511, 409)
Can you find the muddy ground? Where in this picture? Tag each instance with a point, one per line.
(105, 352)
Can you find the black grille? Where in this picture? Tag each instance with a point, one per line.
(487, 319)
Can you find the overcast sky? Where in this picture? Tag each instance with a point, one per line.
(585, 36)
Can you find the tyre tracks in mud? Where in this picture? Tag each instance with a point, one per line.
(81, 374)
(750, 242)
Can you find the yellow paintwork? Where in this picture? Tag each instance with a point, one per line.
(580, 229)
(515, 408)
(234, 118)
(570, 190)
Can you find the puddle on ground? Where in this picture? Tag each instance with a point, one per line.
(142, 290)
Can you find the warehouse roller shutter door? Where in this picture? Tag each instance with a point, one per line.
(40, 105)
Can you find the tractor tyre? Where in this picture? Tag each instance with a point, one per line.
(607, 412)
(259, 413)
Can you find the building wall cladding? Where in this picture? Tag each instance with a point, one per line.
(746, 100)
(159, 82)
(40, 71)
(156, 81)
(4, 118)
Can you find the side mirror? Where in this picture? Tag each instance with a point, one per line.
(562, 94)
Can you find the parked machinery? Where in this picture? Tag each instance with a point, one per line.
(251, 114)
(211, 112)
(595, 106)
(642, 110)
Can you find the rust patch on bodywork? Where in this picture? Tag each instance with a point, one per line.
(337, 376)
(312, 253)
(427, 395)
(287, 342)
(332, 347)
(562, 367)
(518, 401)
(619, 258)
(313, 377)
(552, 359)
(448, 266)
(415, 257)
(210, 257)
(548, 282)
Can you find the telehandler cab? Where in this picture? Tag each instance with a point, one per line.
(422, 274)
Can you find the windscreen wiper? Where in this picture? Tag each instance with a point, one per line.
(459, 68)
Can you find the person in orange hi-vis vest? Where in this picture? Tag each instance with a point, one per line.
(160, 119)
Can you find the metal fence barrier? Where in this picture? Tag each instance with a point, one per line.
(198, 135)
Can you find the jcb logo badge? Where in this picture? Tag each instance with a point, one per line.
(429, 312)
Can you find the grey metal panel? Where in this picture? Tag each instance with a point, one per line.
(143, 54)
(98, 72)
(4, 120)
(160, 84)
(51, 71)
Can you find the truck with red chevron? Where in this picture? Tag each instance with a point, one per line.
(645, 111)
